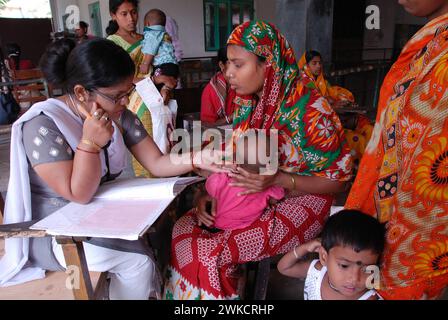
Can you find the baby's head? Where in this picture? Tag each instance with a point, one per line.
(351, 242)
(257, 152)
(155, 17)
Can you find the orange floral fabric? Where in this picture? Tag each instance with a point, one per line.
(326, 90)
(403, 175)
(358, 138)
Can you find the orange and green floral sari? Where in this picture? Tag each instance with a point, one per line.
(204, 265)
(336, 93)
(403, 176)
(136, 104)
(357, 138)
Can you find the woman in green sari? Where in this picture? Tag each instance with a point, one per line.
(122, 30)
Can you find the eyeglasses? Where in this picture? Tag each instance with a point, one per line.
(114, 100)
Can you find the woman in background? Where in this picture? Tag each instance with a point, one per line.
(358, 133)
(122, 30)
(217, 98)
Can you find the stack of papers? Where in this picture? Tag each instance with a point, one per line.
(121, 210)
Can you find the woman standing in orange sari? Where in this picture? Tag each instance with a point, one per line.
(403, 176)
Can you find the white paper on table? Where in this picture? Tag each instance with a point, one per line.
(121, 209)
(105, 218)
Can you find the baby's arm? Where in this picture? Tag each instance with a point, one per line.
(144, 65)
(291, 264)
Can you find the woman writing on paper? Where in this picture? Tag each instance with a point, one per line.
(63, 149)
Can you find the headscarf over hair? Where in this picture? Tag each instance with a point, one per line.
(320, 82)
(311, 139)
(264, 40)
(326, 90)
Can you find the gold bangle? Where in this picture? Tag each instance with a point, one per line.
(92, 152)
(293, 182)
(91, 143)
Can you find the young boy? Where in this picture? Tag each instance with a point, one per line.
(157, 47)
(349, 252)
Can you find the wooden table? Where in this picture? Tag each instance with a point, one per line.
(74, 255)
(73, 250)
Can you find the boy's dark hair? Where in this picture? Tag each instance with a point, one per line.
(352, 228)
(156, 16)
(250, 159)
